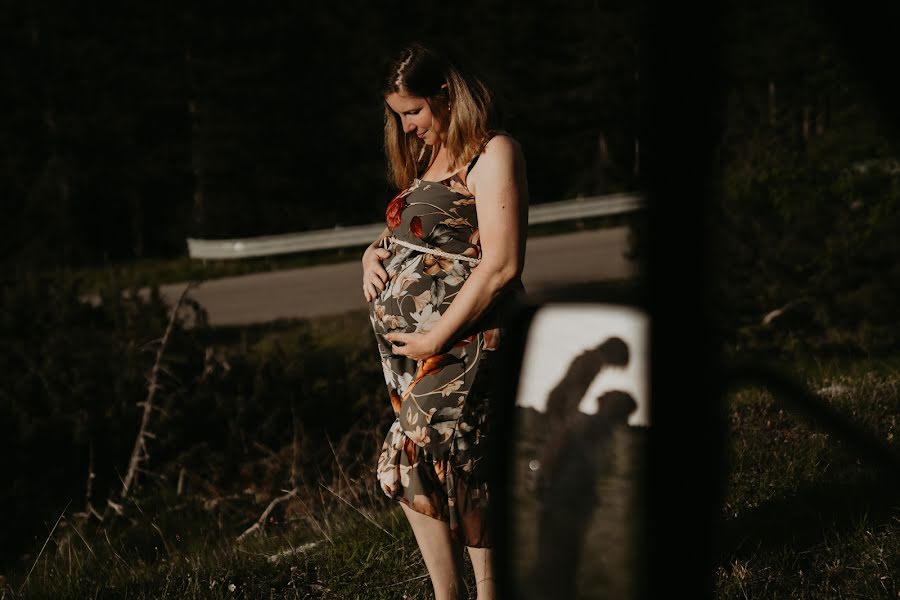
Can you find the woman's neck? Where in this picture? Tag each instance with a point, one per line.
(438, 165)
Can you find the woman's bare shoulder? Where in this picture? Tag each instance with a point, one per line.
(501, 152)
(502, 143)
(500, 161)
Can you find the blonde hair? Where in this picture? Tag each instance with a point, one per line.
(471, 117)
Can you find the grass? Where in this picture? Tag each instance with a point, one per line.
(802, 517)
(336, 539)
(339, 537)
(358, 560)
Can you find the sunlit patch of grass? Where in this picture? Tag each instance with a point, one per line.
(803, 516)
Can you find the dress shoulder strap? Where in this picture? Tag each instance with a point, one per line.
(472, 163)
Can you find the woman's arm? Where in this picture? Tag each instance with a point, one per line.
(501, 189)
(374, 275)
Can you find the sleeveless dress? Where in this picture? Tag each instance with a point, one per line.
(435, 456)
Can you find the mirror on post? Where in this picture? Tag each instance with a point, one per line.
(574, 435)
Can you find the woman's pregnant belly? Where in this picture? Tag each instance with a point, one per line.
(420, 286)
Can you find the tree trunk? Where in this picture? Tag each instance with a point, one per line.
(771, 104)
(805, 125)
(820, 115)
(197, 170)
(637, 156)
(137, 224)
(55, 167)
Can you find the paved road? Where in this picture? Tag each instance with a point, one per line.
(551, 261)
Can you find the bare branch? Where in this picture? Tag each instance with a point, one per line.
(38, 557)
(181, 474)
(118, 508)
(296, 447)
(89, 486)
(139, 452)
(261, 522)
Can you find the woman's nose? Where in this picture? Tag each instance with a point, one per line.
(409, 126)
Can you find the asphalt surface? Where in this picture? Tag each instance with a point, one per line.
(550, 262)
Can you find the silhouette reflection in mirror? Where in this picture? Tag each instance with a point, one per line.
(581, 417)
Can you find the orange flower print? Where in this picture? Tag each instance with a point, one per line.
(464, 341)
(491, 338)
(409, 447)
(437, 264)
(440, 469)
(415, 226)
(394, 208)
(474, 248)
(434, 364)
(458, 187)
(395, 401)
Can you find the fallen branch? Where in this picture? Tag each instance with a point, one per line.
(295, 475)
(211, 503)
(292, 551)
(89, 509)
(778, 312)
(261, 522)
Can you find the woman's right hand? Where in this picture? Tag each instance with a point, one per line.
(374, 276)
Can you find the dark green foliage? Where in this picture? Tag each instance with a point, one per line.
(808, 195)
(803, 225)
(73, 376)
(817, 241)
(134, 128)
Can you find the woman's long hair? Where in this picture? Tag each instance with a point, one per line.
(470, 120)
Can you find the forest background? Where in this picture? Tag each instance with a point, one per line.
(129, 128)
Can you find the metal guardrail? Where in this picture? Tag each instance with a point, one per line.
(360, 235)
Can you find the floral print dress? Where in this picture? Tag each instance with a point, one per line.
(434, 458)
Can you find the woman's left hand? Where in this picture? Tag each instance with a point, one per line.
(417, 346)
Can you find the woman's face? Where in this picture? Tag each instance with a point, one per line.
(416, 117)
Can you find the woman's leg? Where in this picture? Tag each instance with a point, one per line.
(482, 564)
(441, 554)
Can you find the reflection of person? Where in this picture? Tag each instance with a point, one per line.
(576, 445)
(437, 280)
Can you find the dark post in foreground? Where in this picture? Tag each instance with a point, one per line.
(681, 106)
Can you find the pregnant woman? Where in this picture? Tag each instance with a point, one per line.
(438, 281)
